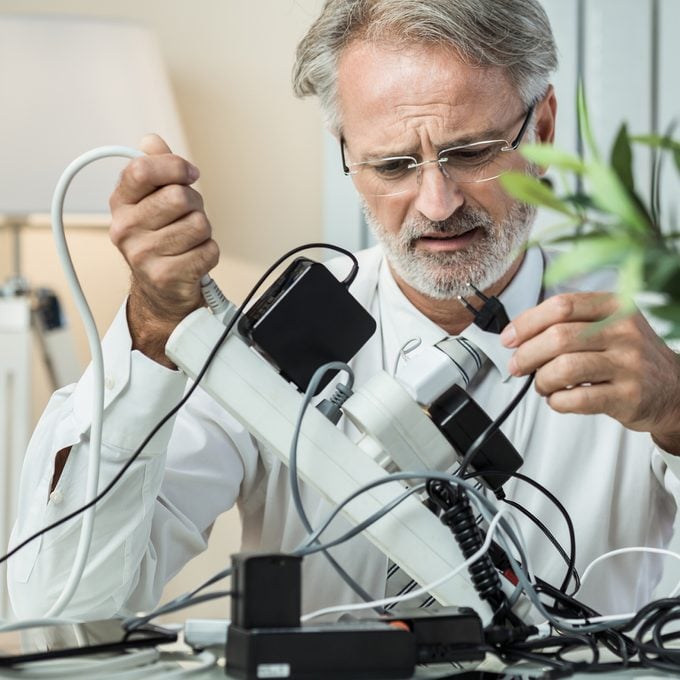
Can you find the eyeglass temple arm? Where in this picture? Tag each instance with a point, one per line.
(345, 167)
(524, 127)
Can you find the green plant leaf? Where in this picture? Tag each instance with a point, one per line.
(661, 142)
(547, 155)
(611, 195)
(631, 279)
(669, 312)
(584, 121)
(622, 159)
(530, 189)
(663, 271)
(588, 255)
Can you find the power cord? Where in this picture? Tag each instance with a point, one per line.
(218, 303)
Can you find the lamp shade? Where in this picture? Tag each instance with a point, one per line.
(69, 84)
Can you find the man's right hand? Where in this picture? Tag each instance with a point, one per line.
(160, 227)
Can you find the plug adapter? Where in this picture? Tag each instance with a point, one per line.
(305, 319)
(461, 420)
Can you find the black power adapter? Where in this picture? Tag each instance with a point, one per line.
(462, 420)
(305, 319)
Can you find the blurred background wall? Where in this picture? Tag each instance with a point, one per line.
(259, 150)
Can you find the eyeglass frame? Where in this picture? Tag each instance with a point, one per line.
(512, 146)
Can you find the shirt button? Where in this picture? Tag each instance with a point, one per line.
(109, 382)
(56, 497)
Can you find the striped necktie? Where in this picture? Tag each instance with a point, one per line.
(468, 359)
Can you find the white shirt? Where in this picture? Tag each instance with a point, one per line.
(617, 486)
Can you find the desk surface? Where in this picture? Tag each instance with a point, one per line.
(178, 656)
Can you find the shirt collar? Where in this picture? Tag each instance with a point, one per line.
(401, 321)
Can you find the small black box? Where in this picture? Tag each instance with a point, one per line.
(266, 590)
(305, 319)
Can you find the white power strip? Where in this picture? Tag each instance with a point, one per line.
(251, 390)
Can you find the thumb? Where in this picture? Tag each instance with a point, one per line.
(153, 144)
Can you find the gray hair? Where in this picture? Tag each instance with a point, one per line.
(513, 34)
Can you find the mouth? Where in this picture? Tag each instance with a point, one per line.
(437, 241)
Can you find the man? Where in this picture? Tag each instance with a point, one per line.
(429, 80)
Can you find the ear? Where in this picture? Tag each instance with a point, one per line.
(546, 113)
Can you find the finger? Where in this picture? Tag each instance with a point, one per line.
(171, 293)
(153, 144)
(145, 174)
(184, 235)
(563, 338)
(583, 399)
(142, 247)
(570, 370)
(558, 309)
(616, 399)
(163, 207)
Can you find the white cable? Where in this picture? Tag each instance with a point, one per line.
(614, 553)
(420, 591)
(86, 530)
(623, 551)
(33, 623)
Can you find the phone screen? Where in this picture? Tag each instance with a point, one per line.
(72, 639)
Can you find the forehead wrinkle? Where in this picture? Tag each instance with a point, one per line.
(428, 132)
(382, 95)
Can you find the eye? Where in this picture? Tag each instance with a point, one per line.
(472, 155)
(391, 168)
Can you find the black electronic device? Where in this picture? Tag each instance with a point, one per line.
(77, 639)
(266, 638)
(305, 319)
(339, 651)
(460, 418)
(446, 635)
(266, 590)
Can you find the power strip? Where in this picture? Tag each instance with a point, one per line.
(268, 406)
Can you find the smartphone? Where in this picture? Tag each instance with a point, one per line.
(74, 639)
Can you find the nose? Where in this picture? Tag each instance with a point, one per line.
(438, 195)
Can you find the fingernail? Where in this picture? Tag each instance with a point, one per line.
(513, 368)
(509, 336)
(194, 172)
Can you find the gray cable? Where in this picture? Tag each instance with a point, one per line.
(292, 463)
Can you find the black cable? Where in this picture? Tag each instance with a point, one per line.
(484, 436)
(571, 560)
(613, 639)
(547, 533)
(457, 515)
(348, 280)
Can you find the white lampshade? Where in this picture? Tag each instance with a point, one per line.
(69, 84)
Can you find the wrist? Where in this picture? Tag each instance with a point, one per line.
(149, 327)
(670, 443)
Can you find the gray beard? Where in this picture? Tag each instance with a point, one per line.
(446, 275)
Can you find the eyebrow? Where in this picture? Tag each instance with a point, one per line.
(482, 136)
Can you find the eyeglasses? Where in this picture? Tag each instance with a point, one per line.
(469, 163)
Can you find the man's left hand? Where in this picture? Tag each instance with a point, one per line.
(586, 365)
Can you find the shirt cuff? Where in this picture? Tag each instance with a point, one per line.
(138, 393)
(672, 462)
